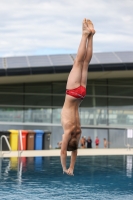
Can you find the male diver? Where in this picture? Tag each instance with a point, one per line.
(75, 93)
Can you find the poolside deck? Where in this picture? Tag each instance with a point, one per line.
(56, 152)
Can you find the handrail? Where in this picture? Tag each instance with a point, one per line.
(19, 153)
(20, 150)
(20, 142)
(1, 155)
(3, 136)
(0, 166)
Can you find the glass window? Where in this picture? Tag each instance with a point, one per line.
(100, 90)
(39, 115)
(38, 88)
(89, 89)
(120, 111)
(10, 114)
(58, 100)
(101, 111)
(59, 88)
(117, 138)
(97, 87)
(56, 115)
(87, 102)
(12, 88)
(11, 99)
(95, 112)
(120, 81)
(101, 101)
(57, 137)
(87, 116)
(120, 90)
(38, 100)
(9, 96)
(100, 82)
(42, 96)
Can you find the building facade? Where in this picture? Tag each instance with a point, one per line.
(32, 93)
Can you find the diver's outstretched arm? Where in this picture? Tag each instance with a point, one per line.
(63, 154)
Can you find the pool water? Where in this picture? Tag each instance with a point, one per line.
(95, 178)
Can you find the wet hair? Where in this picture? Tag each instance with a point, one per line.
(72, 145)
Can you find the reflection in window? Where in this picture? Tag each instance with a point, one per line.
(87, 116)
(56, 115)
(40, 115)
(38, 100)
(120, 111)
(93, 116)
(120, 91)
(11, 114)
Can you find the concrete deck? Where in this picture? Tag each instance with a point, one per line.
(56, 152)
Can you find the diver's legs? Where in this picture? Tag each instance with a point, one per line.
(74, 78)
(88, 55)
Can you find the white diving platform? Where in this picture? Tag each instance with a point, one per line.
(56, 152)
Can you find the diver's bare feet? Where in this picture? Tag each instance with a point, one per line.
(85, 28)
(90, 26)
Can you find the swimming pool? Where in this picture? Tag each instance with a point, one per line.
(96, 178)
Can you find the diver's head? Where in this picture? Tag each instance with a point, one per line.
(72, 144)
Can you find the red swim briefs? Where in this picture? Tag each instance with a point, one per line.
(78, 92)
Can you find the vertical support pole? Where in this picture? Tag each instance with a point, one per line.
(0, 155)
(0, 146)
(94, 109)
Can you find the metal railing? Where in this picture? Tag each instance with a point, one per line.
(20, 144)
(1, 153)
(20, 150)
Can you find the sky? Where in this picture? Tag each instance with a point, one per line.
(46, 27)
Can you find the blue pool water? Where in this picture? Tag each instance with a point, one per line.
(95, 178)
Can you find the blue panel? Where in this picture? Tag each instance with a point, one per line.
(107, 58)
(125, 56)
(102, 58)
(16, 62)
(61, 60)
(39, 61)
(94, 60)
(1, 63)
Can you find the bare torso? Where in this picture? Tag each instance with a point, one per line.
(70, 116)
